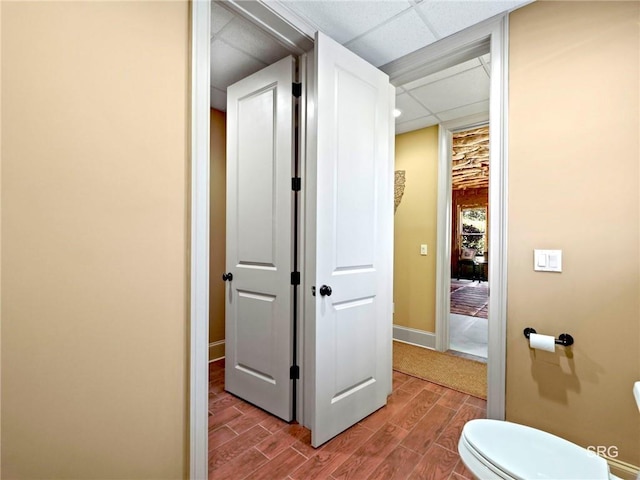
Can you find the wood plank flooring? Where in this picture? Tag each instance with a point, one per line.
(415, 436)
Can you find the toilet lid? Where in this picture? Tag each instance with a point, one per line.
(526, 453)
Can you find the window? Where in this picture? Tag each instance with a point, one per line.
(473, 228)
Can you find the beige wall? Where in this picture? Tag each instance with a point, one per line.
(0, 237)
(94, 239)
(414, 276)
(574, 185)
(217, 231)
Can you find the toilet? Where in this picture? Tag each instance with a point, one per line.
(493, 449)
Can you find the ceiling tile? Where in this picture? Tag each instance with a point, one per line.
(228, 65)
(404, 34)
(220, 16)
(345, 20)
(447, 72)
(467, 87)
(465, 111)
(410, 108)
(450, 16)
(218, 99)
(245, 36)
(417, 124)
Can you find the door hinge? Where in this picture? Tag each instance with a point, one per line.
(296, 89)
(294, 372)
(296, 184)
(295, 278)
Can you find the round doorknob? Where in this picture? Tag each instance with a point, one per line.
(325, 290)
(227, 276)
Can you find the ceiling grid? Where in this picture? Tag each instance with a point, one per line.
(380, 31)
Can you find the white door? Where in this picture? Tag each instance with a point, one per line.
(259, 238)
(350, 176)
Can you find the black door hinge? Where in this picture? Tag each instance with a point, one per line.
(296, 88)
(294, 372)
(296, 184)
(295, 278)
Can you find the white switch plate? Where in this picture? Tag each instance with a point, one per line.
(547, 260)
(423, 249)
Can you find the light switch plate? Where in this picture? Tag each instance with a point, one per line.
(423, 249)
(547, 260)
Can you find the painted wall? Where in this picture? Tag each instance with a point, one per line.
(217, 232)
(414, 279)
(94, 267)
(574, 185)
(0, 239)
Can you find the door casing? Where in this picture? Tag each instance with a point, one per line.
(432, 58)
(199, 240)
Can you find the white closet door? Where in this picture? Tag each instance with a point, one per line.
(349, 328)
(259, 238)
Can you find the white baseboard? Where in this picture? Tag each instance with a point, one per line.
(216, 350)
(622, 469)
(414, 336)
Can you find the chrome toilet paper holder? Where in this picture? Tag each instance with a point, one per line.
(563, 339)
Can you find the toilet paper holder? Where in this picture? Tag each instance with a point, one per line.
(563, 339)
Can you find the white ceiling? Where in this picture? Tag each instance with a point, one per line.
(456, 92)
(380, 31)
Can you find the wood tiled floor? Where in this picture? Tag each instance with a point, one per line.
(414, 437)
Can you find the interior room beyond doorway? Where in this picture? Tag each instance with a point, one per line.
(468, 315)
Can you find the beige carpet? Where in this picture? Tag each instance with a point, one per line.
(450, 371)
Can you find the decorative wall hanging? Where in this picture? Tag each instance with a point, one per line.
(399, 188)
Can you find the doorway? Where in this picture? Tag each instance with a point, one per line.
(469, 312)
(487, 37)
(458, 93)
(330, 175)
(415, 66)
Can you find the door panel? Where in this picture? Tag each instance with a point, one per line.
(350, 330)
(256, 166)
(259, 238)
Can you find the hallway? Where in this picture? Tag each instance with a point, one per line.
(414, 436)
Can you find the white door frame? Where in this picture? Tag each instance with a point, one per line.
(423, 62)
(199, 240)
(447, 52)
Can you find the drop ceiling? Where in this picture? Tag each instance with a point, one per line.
(378, 31)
